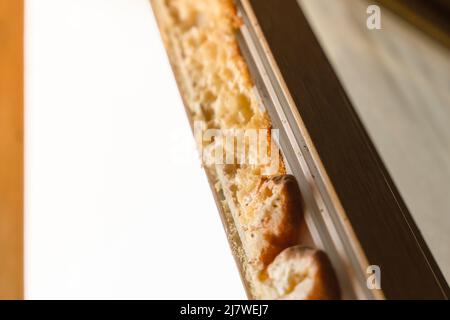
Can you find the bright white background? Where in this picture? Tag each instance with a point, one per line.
(117, 205)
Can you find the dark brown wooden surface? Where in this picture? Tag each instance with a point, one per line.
(397, 79)
(11, 149)
(374, 207)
